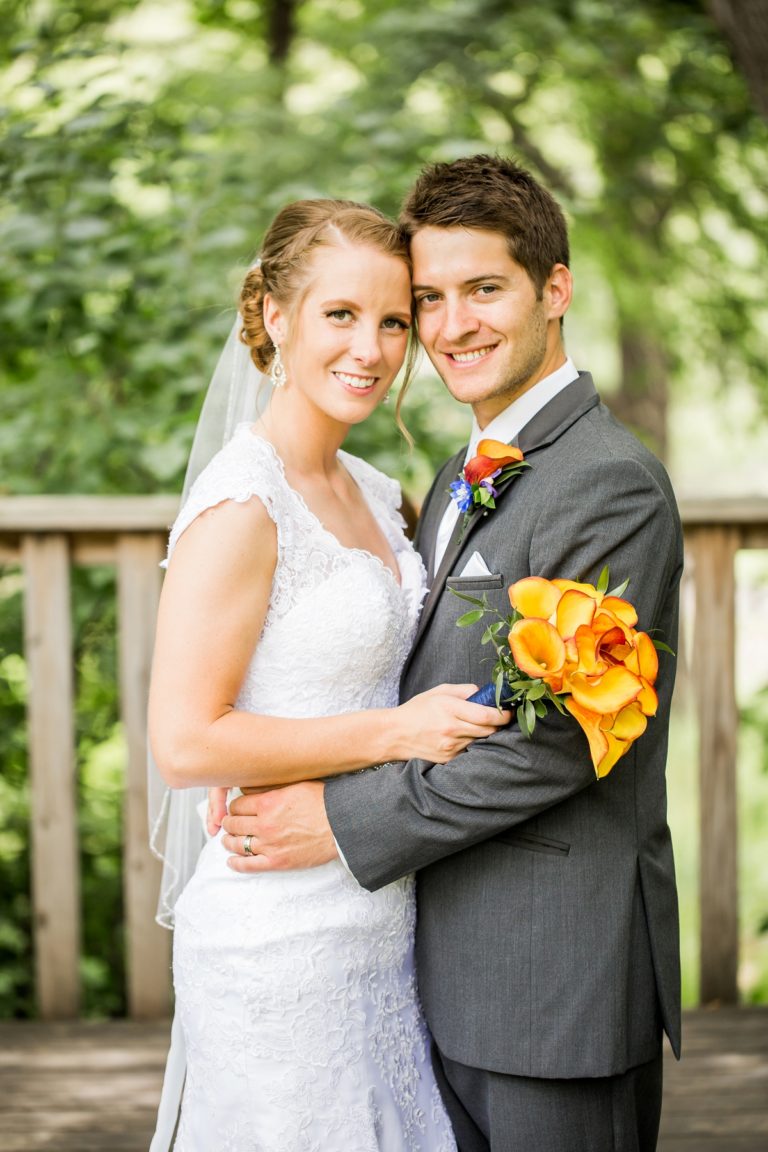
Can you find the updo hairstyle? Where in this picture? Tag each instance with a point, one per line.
(295, 233)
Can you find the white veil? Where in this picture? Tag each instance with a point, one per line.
(238, 392)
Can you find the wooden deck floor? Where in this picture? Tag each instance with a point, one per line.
(93, 1087)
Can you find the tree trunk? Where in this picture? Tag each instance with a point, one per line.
(643, 398)
(744, 24)
(281, 28)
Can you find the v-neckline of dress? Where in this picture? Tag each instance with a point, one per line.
(396, 577)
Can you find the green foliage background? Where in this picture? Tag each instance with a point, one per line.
(145, 146)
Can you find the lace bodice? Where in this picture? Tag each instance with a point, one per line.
(338, 624)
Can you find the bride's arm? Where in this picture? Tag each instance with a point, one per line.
(211, 615)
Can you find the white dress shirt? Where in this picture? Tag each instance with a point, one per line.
(505, 427)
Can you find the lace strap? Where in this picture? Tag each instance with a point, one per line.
(245, 467)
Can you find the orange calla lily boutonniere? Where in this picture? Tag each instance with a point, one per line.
(575, 646)
(494, 463)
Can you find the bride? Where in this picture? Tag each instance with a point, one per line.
(289, 605)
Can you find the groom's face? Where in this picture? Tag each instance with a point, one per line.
(480, 321)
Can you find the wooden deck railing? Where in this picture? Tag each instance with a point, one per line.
(46, 535)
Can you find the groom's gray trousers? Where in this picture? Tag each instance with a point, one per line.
(492, 1111)
(547, 934)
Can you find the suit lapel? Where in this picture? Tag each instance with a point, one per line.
(557, 417)
(544, 428)
(454, 548)
(427, 539)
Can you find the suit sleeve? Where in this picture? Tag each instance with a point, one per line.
(400, 819)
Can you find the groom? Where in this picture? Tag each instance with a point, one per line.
(547, 940)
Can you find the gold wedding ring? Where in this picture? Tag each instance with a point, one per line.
(247, 846)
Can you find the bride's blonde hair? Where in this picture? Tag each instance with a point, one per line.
(284, 267)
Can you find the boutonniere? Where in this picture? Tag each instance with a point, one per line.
(495, 462)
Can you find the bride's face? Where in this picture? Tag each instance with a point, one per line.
(346, 341)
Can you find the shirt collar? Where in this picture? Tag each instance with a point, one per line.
(507, 425)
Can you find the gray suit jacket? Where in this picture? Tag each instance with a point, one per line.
(547, 940)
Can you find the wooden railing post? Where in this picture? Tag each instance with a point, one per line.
(714, 551)
(148, 945)
(54, 852)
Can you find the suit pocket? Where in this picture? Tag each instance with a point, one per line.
(475, 583)
(533, 842)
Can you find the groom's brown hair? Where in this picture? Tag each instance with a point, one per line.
(496, 194)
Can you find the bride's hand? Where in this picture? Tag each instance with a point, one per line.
(438, 724)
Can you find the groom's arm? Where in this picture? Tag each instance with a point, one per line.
(401, 819)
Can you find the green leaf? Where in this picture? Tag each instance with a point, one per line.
(522, 723)
(470, 618)
(505, 698)
(530, 715)
(482, 603)
(541, 709)
(660, 646)
(603, 580)
(620, 590)
(492, 631)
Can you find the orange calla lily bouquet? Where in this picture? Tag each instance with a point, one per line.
(575, 646)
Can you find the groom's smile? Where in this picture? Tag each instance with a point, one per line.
(471, 357)
(485, 329)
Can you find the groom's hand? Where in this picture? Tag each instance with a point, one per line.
(217, 809)
(285, 828)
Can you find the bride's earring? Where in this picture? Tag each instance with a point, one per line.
(277, 373)
(386, 398)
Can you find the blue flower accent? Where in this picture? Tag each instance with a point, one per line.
(461, 493)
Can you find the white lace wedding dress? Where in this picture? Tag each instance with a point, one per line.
(296, 990)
